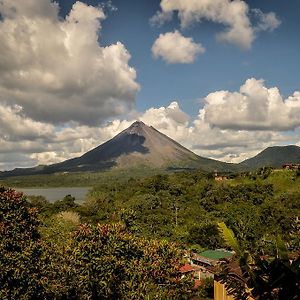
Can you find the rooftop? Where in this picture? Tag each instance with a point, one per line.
(216, 254)
(186, 268)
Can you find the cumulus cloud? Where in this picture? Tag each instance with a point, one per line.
(174, 48)
(231, 126)
(56, 69)
(254, 107)
(26, 143)
(208, 141)
(14, 126)
(29, 9)
(61, 143)
(234, 15)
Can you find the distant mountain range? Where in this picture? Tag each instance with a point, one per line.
(143, 146)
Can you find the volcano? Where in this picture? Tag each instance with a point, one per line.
(137, 146)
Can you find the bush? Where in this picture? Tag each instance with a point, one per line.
(108, 262)
(19, 247)
(76, 261)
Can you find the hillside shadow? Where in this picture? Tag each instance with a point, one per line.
(109, 151)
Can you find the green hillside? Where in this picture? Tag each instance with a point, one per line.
(273, 157)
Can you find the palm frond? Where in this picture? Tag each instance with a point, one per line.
(229, 237)
(282, 251)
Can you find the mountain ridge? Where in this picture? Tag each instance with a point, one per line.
(274, 156)
(141, 145)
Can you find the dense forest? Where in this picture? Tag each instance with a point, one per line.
(129, 238)
(185, 207)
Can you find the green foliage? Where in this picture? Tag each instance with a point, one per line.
(229, 237)
(79, 179)
(67, 203)
(180, 207)
(276, 277)
(19, 247)
(283, 180)
(244, 219)
(255, 193)
(56, 230)
(47, 209)
(111, 263)
(185, 206)
(264, 172)
(39, 202)
(108, 262)
(206, 289)
(72, 261)
(206, 236)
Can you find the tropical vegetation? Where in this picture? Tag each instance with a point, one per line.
(129, 238)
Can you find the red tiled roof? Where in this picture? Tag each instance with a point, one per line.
(186, 268)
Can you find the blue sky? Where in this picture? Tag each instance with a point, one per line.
(273, 56)
(218, 76)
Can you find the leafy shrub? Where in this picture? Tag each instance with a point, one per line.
(108, 262)
(82, 261)
(19, 247)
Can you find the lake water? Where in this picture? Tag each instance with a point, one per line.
(53, 194)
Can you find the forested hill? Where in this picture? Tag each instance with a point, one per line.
(273, 157)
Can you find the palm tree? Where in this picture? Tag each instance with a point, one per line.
(261, 278)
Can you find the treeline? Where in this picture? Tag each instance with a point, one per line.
(75, 179)
(186, 207)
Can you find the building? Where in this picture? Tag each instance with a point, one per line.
(206, 265)
(291, 166)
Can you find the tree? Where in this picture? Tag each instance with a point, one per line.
(67, 203)
(19, 247)
(264, 278)
(207, 236)
(108, 262)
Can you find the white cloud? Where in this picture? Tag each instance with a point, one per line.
(174, 48)
(14, 126)
(28, 9)
(160, 18)
(25, 142)
(234, 15)
(254, 107)
(56, 70)
(266, 22)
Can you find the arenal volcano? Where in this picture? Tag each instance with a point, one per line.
(138, 145)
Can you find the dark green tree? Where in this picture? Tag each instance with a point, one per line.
(19, 247)
(206, 236)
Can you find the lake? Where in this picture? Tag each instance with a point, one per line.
(53, 194)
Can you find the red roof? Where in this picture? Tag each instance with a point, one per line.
(186, 268)
(197, 283)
